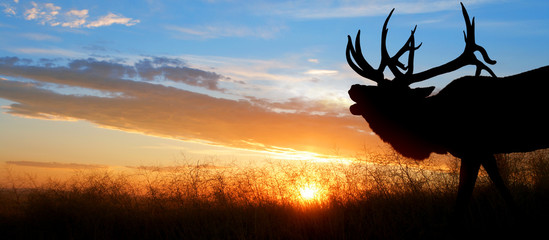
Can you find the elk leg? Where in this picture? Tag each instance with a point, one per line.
(490, 165)
(468, 173)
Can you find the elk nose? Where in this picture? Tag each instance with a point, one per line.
(356, 109)
(354, 92)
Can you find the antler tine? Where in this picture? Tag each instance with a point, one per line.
(471, 45)
(393, 62)
(466, 58)
(412, 49)
(384, 54)
(386, 60)
(409, 47)
(364, 69)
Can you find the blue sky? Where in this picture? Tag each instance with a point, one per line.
(305, 34)
(279, 61)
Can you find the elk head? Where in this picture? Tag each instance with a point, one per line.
(397, 113)
(398, 91)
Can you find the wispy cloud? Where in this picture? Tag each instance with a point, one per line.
(9, 9)
(177, 168)
(283, 78)
(111, 19)
(43, 13)
(56, 165)
(46, 51)
(355, 8)
(146, 107)
(53, 15)
(75, 18)
(321, 72)
(225, 30)
(175, 70)
(40, 37)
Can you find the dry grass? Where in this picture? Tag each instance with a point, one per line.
(393, 198)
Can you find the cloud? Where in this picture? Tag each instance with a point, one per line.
(178, 168)
(53, 15)
(111, 19)
(355, 8)
(321, 72)
(46, 51)
(174, 70)
(75, 18)
(137, 104)
(44, 13)
(226, 30)
(9, 9)
(56, 165)
(279, 79)
(301, 105)
(40, 37)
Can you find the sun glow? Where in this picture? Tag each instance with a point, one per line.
(310, 192)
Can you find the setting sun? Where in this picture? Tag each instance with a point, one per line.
(309, 192)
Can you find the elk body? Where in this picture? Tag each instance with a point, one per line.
(472, 118)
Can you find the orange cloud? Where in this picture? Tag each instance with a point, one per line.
(142, 105)
(56, 165)
(177, 168)
(50, 14)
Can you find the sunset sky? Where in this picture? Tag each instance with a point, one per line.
(125, 83)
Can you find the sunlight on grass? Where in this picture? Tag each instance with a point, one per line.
(279, 200)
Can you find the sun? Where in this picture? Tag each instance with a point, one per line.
(309, 192)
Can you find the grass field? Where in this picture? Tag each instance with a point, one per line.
(393, 198)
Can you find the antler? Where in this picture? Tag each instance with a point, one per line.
(466, 58)
(364, 69)
(376, 75)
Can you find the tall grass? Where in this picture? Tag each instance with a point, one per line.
(374, 197)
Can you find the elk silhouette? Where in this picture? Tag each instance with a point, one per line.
(472, 118)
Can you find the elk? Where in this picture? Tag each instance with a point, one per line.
(472, 118)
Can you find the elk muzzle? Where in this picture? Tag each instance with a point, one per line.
(358, 94)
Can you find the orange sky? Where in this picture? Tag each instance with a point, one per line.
(133, 123)
(94, 84)
(169, 112)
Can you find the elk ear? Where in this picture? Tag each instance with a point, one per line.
(422, 92)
